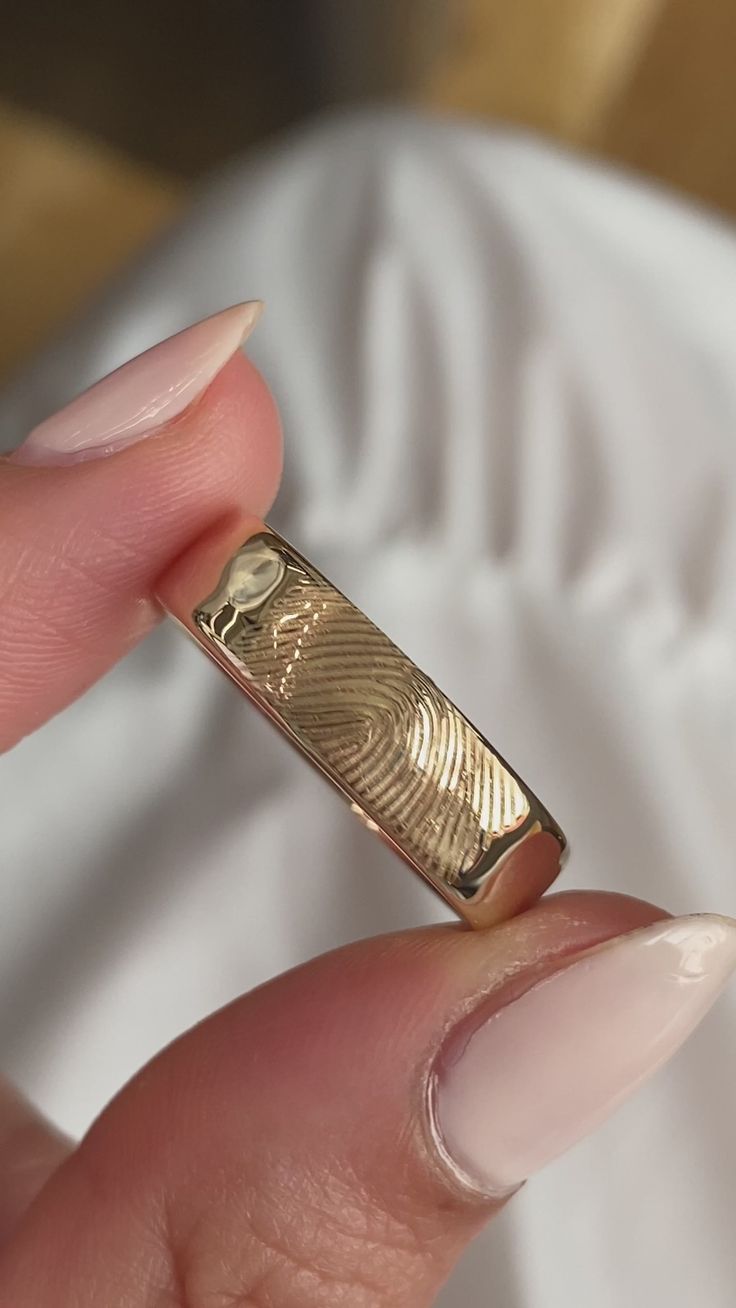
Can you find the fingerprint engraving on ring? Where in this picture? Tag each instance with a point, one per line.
(406, 756)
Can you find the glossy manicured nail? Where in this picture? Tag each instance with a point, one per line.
(514, 1088)
(142, 395)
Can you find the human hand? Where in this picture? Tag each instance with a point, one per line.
(340, 1134)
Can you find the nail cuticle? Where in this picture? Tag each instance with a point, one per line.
(520, 1078)
(469, 1186)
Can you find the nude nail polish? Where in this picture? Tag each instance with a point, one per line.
(516, 1087)
(138, 398)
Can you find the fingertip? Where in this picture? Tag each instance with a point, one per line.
(85, 543)
(239, 418)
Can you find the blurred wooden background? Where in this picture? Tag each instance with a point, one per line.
(108, 115)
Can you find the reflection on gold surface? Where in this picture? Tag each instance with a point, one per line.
(410, 762)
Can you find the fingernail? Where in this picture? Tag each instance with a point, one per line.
(514, 1089)
(142, 395)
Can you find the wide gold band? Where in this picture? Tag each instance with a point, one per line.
(410, 764)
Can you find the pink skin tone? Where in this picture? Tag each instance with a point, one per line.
(134, 513)
(573, 1048)
(257, 1159)
(142, 395)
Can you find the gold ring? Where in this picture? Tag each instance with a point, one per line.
(411, 765)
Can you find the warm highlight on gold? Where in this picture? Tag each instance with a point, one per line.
(415, 765)
(410, 763)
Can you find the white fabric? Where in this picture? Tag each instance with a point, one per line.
(495, 364)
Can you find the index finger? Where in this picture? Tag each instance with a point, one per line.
(85, 536)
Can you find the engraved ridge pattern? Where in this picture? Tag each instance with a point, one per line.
(417, 767)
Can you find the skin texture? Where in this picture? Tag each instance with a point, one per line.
(84, 544)
(237, 1168)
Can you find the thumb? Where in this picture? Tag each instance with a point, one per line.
(84, 537)
(338, 1136)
